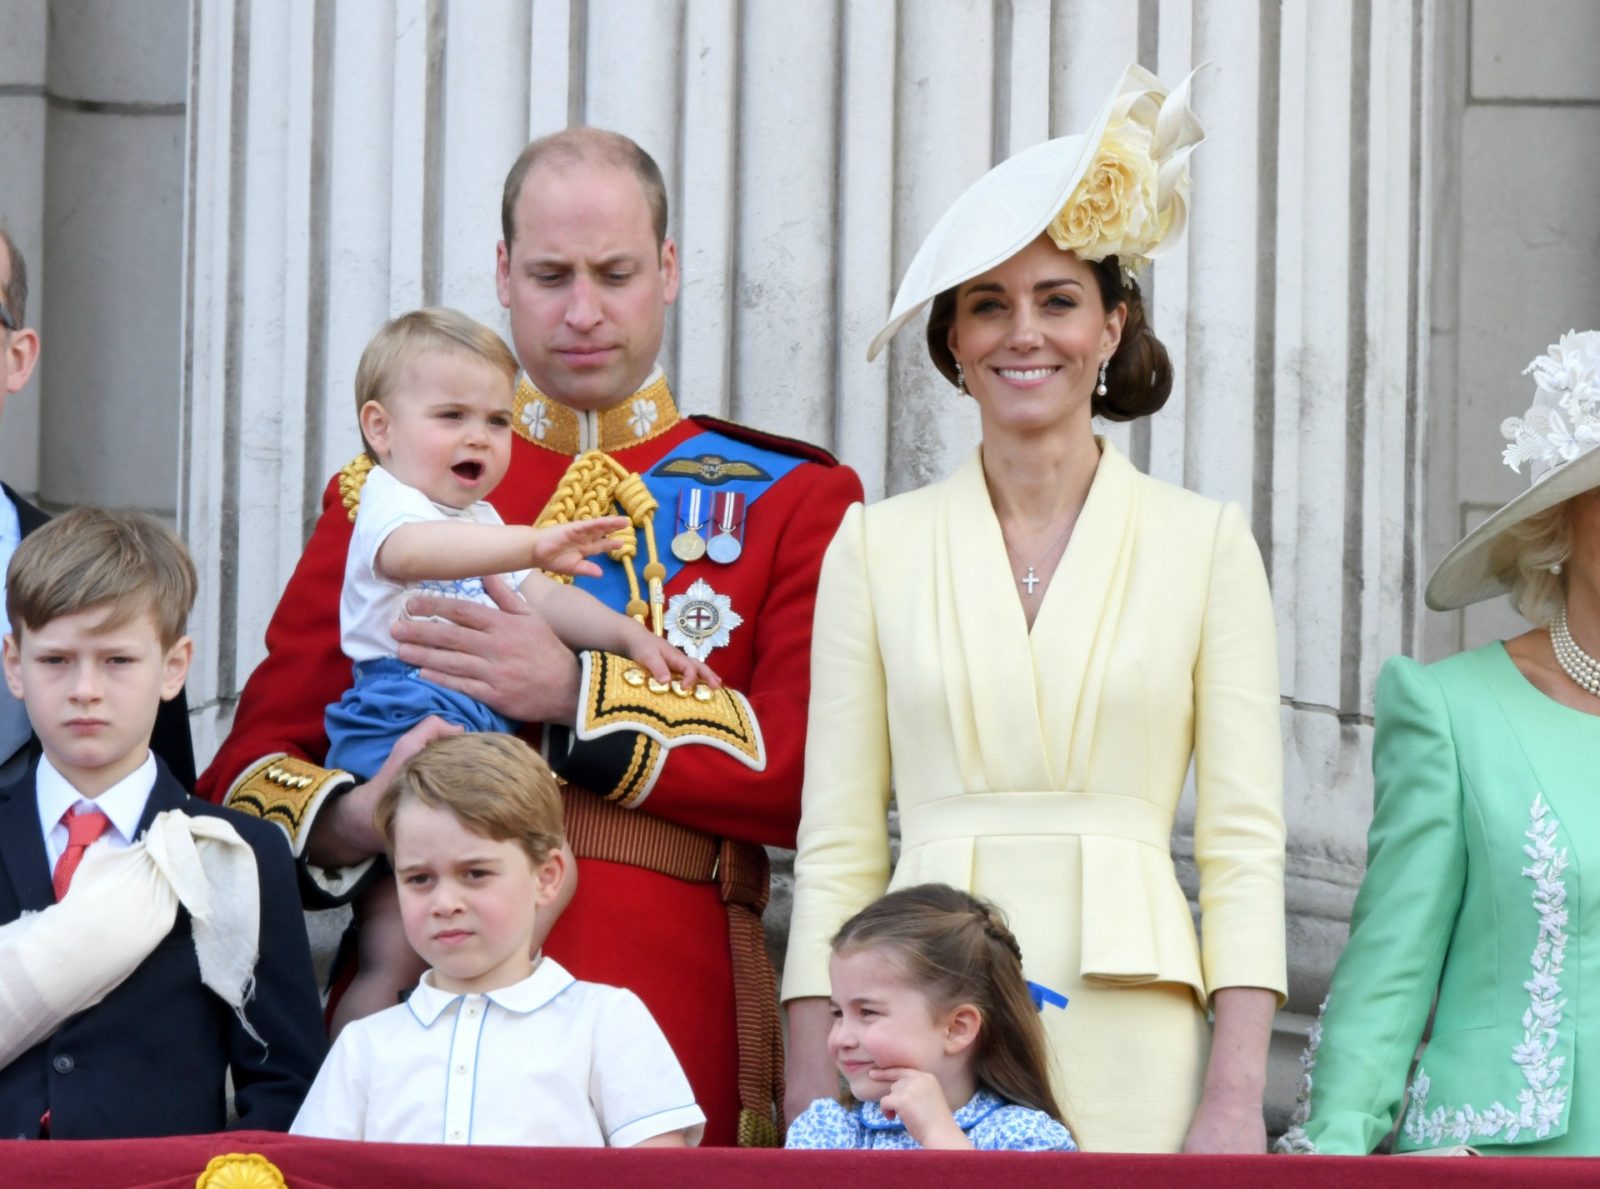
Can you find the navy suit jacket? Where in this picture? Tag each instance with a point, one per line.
(150, 1058)
(170, 740)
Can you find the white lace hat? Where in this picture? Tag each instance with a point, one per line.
(1559, 438)
(1119, 189)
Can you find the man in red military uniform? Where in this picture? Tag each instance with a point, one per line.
(670, 791)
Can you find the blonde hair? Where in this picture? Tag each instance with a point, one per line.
(1543, 541)
(955, 948)
(402, 339)
(494, 785)
(94, 557)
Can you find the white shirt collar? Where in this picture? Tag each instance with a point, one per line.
(549, 978)
(10, 538)
(123, 802)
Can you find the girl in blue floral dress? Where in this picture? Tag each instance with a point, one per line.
(935, 1032)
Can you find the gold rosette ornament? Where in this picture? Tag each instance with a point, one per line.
(237, 1170)
(1133, 202)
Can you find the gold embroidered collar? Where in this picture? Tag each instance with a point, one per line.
(646, 414)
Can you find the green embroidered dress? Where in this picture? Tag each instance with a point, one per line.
(1486, 824)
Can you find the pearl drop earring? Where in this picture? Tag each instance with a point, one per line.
(1100, 388)
(961, 379)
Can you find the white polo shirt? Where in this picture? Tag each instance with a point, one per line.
(549, 1061)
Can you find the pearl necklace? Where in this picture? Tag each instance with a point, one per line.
(1578, 664)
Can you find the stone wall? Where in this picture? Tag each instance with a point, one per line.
(92, 103)
(1519, 265)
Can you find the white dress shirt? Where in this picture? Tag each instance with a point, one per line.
(123, 803)
(10, 538)
(549, 1061)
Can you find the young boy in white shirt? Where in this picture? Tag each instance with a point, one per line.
(494, 1046)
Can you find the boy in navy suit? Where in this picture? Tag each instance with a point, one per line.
(154, 958)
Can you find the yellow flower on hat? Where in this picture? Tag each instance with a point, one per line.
(1134, 198)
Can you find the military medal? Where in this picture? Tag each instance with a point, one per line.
(700, 619)
(689, 544)
(727, 527)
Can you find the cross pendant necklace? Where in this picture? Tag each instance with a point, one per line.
(1030, 579)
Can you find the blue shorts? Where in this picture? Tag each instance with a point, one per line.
(387, 700)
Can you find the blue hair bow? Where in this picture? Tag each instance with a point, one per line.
(1043, 995)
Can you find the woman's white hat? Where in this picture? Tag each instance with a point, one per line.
(1559, 438)
(1120, 189)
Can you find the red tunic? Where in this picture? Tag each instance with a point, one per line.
(662, 937)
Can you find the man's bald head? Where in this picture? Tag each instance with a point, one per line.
(587, 146)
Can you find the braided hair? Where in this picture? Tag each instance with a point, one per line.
(957, 949)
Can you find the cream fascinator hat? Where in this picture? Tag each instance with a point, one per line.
(1120, 189)
(1559, 439)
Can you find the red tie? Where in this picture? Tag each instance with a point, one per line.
(82, 830)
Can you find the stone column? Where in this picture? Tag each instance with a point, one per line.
(1519, 247)
(113, 234)
(22, 151)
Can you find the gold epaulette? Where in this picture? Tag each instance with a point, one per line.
(352, 478)
(287, 792)
(618, 695)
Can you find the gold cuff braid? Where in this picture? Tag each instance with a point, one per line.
(618, 695)
(287, 792)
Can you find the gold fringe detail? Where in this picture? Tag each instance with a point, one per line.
(591, 487)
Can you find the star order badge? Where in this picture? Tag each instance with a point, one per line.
(700, 619)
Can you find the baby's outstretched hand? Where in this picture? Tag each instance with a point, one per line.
(666, 663)
(917, 1099)
(562, 548)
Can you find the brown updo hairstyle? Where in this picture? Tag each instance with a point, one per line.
(955, 949)
(1139, 375)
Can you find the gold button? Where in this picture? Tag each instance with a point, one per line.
(702, 693)
(633, 676)
(657, 687)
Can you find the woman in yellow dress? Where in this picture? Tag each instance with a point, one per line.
(1032, 651)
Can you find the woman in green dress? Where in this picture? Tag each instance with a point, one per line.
(1483, 865)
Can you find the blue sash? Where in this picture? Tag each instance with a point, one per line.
(611, 588)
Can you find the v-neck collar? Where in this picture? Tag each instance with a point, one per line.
(1041, 684)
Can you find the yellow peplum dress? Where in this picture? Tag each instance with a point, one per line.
(1042, 770)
